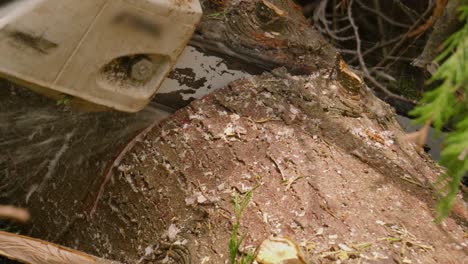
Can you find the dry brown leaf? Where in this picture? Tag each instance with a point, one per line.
(420, 137)
(278, 251)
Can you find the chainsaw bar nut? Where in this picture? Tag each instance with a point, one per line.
(142, 69)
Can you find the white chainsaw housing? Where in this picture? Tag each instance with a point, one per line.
(113, 53)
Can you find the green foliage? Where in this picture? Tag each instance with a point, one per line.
(448, 103)
(217, 15)
(455, 159)
(406, 87)
(236, 241)
(65, 100)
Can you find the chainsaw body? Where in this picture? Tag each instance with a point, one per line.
(113, 53)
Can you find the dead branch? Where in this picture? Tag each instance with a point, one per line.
(436, 13)
(410, 13)
(397, 47)
(363, 64)
(14, 213)
(34, 251)
(389, 49)
(443, 28)
(382, 16)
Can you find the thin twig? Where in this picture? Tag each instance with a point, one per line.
(363, 64)
(436, 13)
(14, 213)
(380, 15)
(381, 26)
(376, 46)
(412, 14)
(319, 16)
(397, 47)
(347, 51)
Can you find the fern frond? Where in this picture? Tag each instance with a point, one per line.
(442, 105)
(455, 159)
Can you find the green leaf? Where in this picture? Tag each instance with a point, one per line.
(235, 241)
(65, 100)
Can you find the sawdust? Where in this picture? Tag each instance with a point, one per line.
(324, 181)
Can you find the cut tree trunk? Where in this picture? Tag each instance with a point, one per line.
(330, 165)
(331, 170)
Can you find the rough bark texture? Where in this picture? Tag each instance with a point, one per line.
(445, 26)
(267, 37)
(329, 158)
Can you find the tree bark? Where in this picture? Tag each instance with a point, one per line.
(445, 26)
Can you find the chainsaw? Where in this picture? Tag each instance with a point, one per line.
(110, 54)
